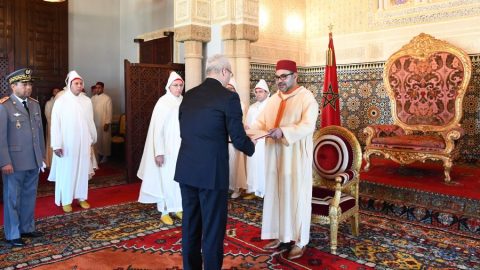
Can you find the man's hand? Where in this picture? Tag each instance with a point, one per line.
(58, 152)
(106, 127)
(159, 160)
(7, 169)
(275, 133)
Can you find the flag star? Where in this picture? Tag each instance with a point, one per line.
(329, 98)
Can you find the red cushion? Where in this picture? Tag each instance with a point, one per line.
(332, 155)
(322, 199)
(417, 142)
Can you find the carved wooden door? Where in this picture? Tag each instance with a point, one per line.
(144, 85)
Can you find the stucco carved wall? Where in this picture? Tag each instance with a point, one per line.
(277, 39)
(364, 30)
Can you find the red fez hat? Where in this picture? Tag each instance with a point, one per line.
(287, 65)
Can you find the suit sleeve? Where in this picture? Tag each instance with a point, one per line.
(235, 128)
(4, 154)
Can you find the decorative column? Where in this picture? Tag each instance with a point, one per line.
(236, 41)
(193, 37)
(192, 27)
(229, 44)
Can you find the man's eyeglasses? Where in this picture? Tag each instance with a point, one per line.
(283, 77)
(231, 73)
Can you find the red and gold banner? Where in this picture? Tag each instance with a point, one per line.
(330, 103)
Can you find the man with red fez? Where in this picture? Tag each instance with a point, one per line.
(72, 135)
(290, 117)
(159, 158)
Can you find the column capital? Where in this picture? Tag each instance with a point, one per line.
(240, 32)
(192, 32)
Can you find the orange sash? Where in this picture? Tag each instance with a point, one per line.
(283, 104)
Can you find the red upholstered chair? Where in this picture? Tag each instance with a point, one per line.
(426, 81)
(337, 159)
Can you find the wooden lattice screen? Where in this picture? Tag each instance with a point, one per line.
(4, 70)
(144, 85)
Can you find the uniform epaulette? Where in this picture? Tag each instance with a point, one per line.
(2, 100)
(33, 99)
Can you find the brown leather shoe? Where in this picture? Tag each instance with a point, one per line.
(296, 252)
(272, 245)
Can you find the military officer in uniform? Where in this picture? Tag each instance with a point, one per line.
(22, 152)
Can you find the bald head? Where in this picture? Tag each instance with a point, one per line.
(219, 68)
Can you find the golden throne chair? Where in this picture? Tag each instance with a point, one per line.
(337, 159)
(426, 81)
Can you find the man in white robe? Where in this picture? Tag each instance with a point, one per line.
(72, 135)
(236, 159)
(159, 158)
(256, 163)
(48, 115)
(290, 117)
(102, 112)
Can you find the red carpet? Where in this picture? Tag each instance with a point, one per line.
(427, 176)
(105, 169)
(109, 174)
(129, 235)
(162, 250)
(96, 197)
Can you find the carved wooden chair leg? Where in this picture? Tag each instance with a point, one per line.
(333, 236)
(354, 222)
(447, 165)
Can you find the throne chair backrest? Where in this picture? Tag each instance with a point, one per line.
(426, 81)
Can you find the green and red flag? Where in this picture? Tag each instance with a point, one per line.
(330, 102)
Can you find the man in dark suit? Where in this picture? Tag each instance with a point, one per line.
(208, 115)
(22, 152)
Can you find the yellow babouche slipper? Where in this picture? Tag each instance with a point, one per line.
(249, 196)
(67, 208)
(179, 215)
(167, 219)
(84, 204)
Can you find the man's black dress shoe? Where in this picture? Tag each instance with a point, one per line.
(33, 234)
(16, 242)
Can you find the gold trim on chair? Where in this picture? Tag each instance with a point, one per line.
(338, 186)
(421, 48)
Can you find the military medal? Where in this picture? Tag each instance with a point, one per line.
(18, 126)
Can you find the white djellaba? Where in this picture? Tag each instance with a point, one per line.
(163, 138)
(256, 163)
(73, 131)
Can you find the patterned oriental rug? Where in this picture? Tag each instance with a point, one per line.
(417, 192)
(130, 236)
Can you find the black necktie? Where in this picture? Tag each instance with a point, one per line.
(26, 107)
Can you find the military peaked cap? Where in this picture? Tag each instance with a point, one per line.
(20, 75)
